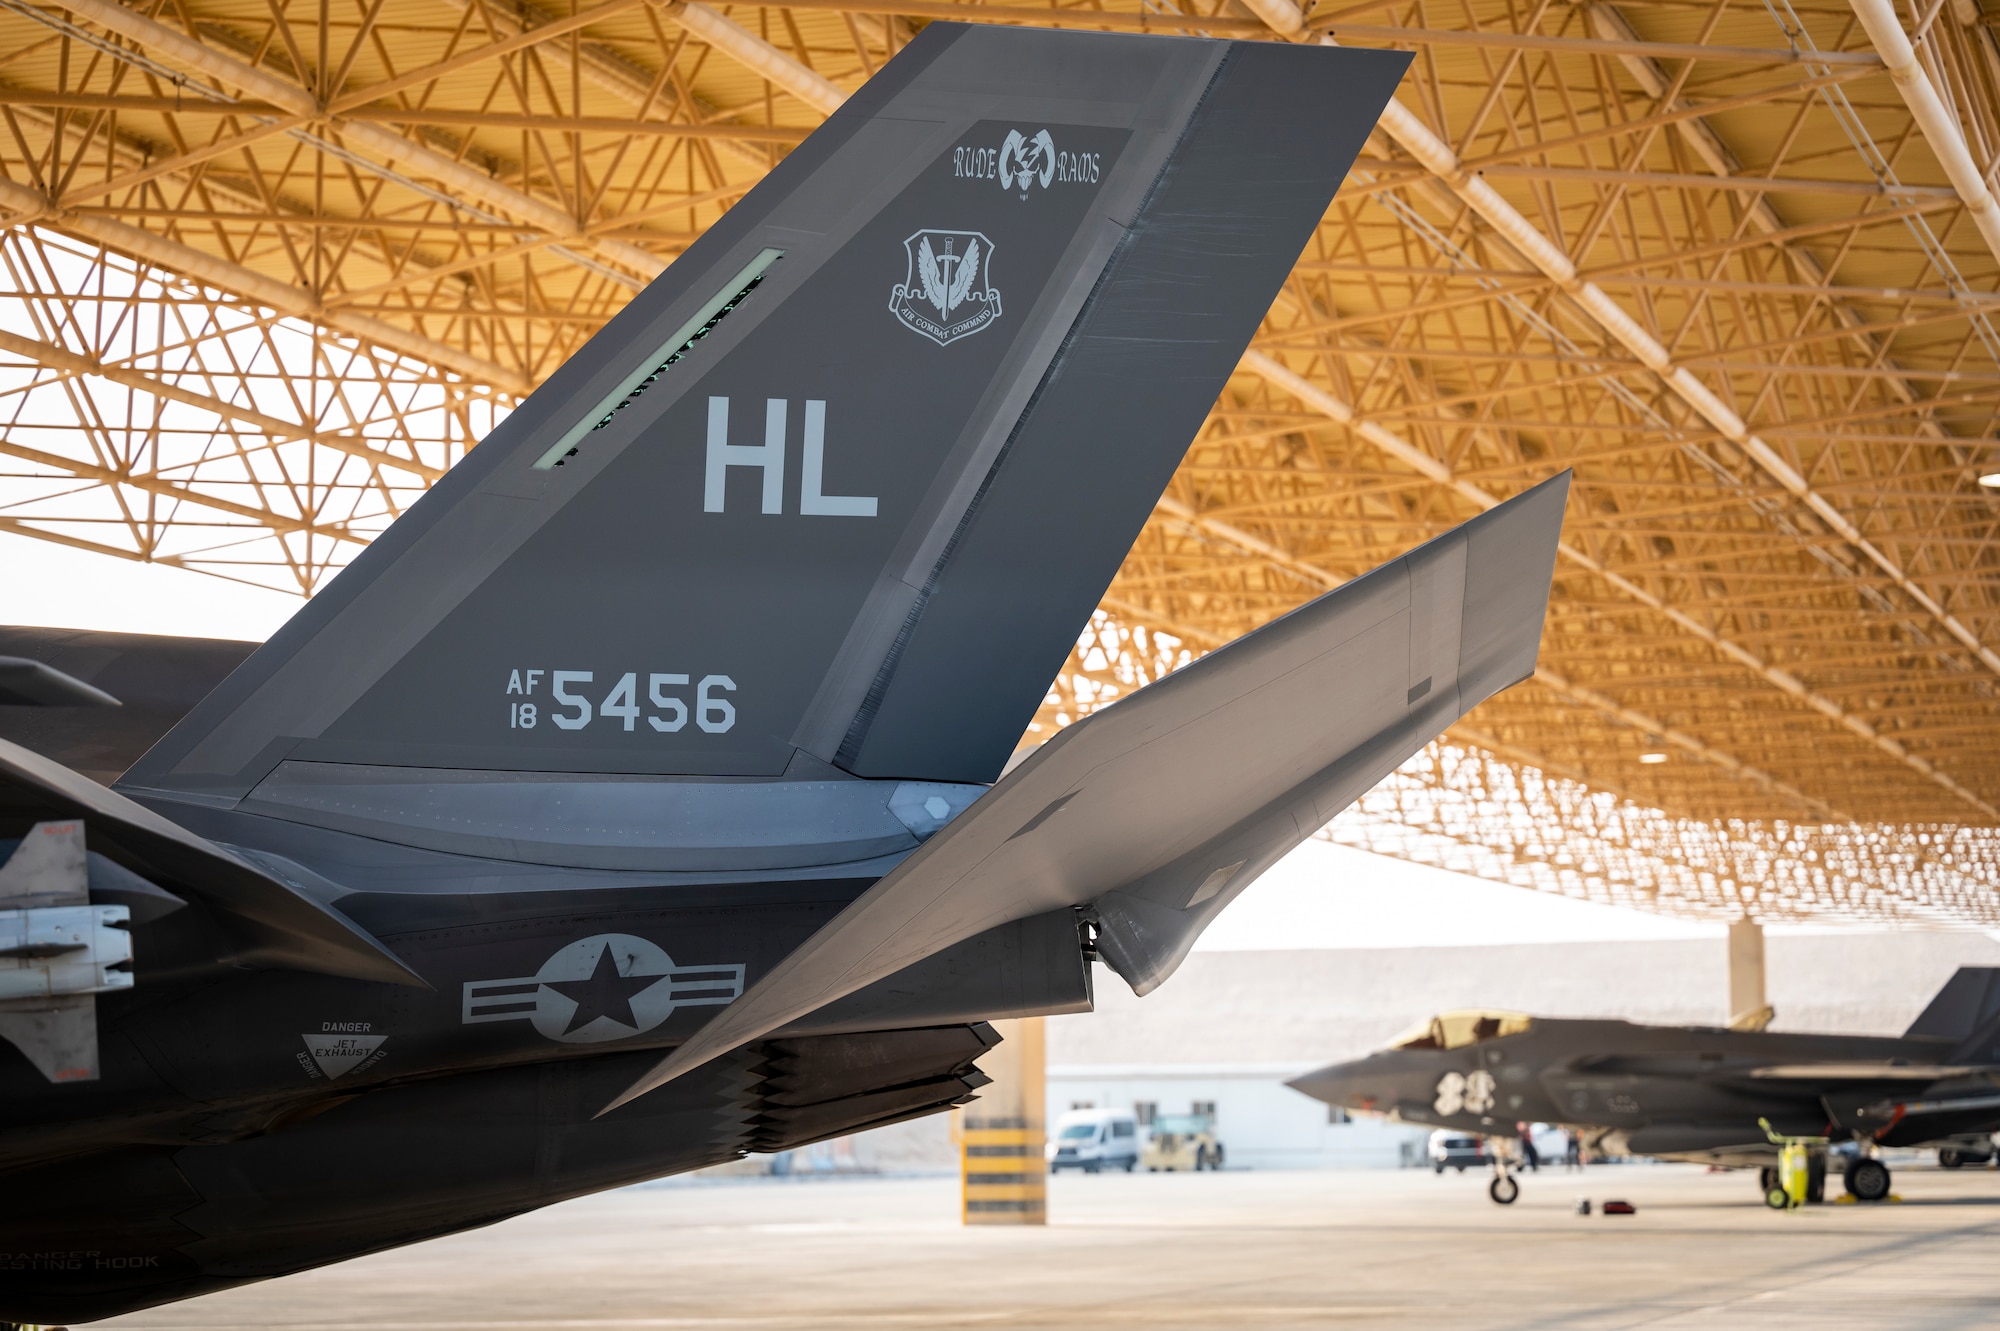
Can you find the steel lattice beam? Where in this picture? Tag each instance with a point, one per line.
(273, 268)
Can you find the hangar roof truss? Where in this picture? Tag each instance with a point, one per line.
(269, 268)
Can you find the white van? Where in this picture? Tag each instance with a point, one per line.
(1094, 1140)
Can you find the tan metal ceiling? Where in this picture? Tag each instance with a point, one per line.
(271, 267)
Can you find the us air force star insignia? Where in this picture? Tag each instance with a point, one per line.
(947, 292)
(605, 987)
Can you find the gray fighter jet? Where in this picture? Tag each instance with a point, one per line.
(1701, 1093)
(636, 801)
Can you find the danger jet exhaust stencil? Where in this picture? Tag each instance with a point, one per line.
(341, 1047)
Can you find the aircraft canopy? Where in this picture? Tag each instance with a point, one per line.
(1456, 1030)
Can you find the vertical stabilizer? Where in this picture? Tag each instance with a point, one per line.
(1969, 999)
(842, 486)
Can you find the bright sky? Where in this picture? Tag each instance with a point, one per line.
(1328, 896)
(1321, 895)
(56, 585)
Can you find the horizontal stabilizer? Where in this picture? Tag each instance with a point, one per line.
(152, 679)
(1158, 811)
(278, 924)
(29, 683)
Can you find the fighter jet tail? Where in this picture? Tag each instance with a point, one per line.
(1155, 813)
(1969, 1000)
(840, 488)
(1981, 1045)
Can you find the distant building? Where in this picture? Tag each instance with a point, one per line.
(1261, 1122)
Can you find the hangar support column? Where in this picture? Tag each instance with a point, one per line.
(1003, 1131)
(1749, 1008)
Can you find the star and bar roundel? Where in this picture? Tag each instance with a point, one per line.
(604, 987)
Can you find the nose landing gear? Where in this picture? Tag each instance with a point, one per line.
(1867, 1180)
(1504, 1188)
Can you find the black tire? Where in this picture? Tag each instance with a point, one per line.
(1438, 1168)
(1460, 1168)
(1503, 1189)
(1215, 1159)
(1868, 1180)
(1777, 1198)
(1094, 1167)
(1767, 1179)
(1949, 1158)
(1129, 1163)
(1816, 1178)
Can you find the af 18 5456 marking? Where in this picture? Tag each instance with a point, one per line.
(665, 707)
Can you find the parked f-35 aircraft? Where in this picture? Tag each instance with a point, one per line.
(1701, 1093)
(637, 799)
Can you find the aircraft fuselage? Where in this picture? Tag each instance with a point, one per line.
(250, 1122)
(1672, 1092)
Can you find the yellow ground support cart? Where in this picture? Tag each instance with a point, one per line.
(1788, 1188)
